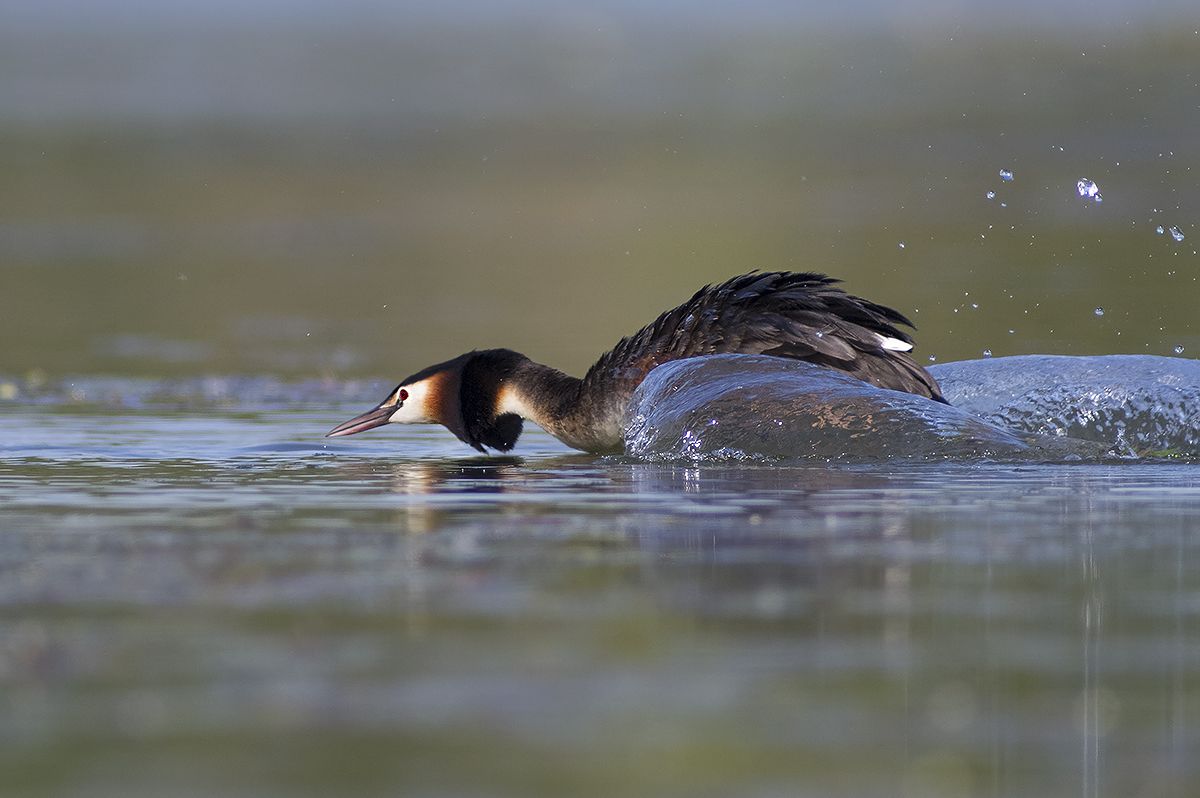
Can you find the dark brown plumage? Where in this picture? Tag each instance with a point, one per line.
(802, 316)
(794, 315)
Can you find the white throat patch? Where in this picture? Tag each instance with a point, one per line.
(509, 401)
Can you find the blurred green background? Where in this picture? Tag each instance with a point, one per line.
(362, 188)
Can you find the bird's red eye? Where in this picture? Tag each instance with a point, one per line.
(403, 394)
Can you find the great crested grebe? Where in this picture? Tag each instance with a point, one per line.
(484, 396)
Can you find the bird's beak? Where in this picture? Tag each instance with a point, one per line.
(368, 420)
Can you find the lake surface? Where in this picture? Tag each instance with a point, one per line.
(200, 596)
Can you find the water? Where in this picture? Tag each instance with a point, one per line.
(754, 407)
(201, 596)
(1148, 403)
(1088, 190)
(1028, 407)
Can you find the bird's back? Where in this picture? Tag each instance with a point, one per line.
(803, 316)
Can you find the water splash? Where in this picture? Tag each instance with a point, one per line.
(1178, 349)
(1176, 233)
(1159, 230)
(991, 195)
(1146, 403)
(1088, 190)
(987, 353)
(819, 413)
(1006, 175)
(1099, 311)
(1026, 407)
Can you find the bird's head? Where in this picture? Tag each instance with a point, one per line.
(465, 395)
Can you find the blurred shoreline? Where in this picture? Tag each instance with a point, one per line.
(252, 191)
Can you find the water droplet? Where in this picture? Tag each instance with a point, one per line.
(901, 245)
(932, 358)
(1179, 349)
(1006, 175)
(975, 306)
(1176, 233)
(1088, 190)
(1099, 311)
(991, 195)
(1159, 230)
(987, 353)
(1003, 204)
(1010, 332)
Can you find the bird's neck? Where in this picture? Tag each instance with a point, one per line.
(575, 411)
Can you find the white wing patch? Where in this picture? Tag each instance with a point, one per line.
(894, 344)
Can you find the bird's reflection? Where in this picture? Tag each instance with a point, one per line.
(764, 533)
(913, 584)
(437, 492)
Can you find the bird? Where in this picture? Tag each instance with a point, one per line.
(485, 396)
